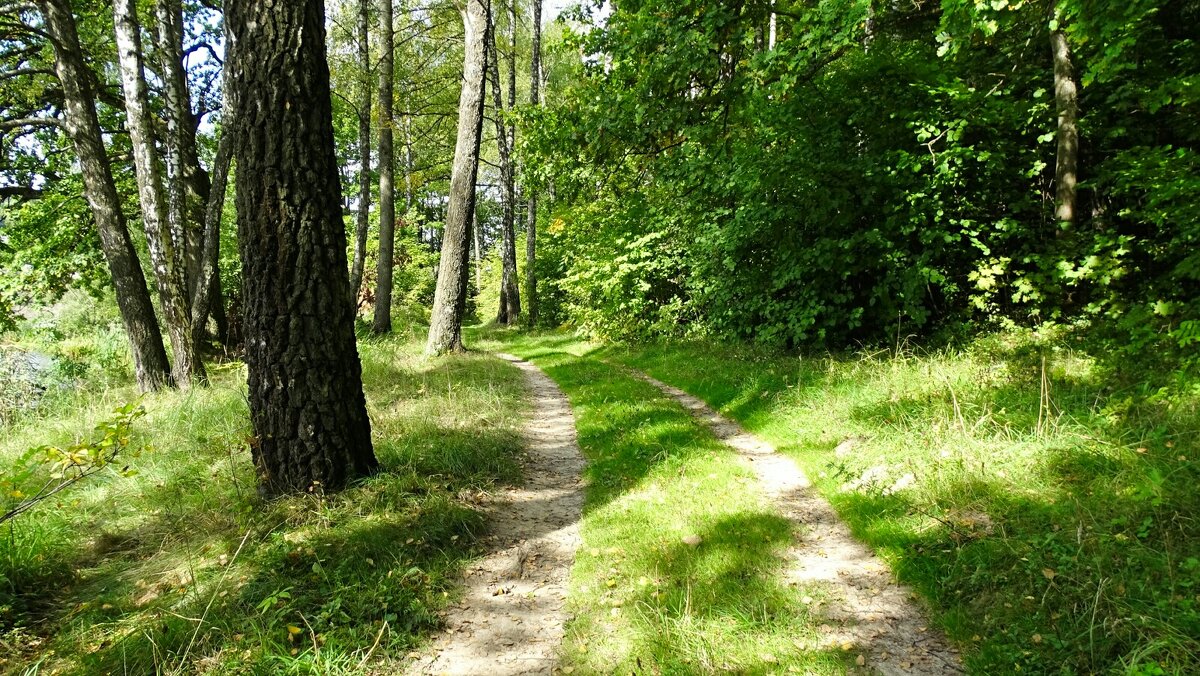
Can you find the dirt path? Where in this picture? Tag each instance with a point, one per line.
(871, 612)
(510, 619)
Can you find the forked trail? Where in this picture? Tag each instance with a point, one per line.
(510, 619)
(871, 612)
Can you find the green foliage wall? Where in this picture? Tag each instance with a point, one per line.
(883, 168)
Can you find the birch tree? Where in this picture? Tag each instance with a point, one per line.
(450, 296)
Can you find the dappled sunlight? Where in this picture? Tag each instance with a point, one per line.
(185, 564)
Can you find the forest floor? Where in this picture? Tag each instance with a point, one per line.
(1041, 512)
(510, 618)
(1040, 500)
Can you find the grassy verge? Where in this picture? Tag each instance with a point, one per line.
(184, 569)
(643, 600)
(1046, 510)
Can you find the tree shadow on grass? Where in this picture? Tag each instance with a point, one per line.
(625, 426)
(1094, 573)
(723, 605)
(130, 599)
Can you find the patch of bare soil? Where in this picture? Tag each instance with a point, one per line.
(870, 614)
(511, 616)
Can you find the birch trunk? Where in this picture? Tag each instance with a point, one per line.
(535, 76)
(363, 224)
(510, 300)
(387, 177)
(450, 298)
(1066, 99)
(150, 366)
(165, 244)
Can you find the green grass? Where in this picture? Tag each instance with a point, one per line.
(183, 568)
(643, 600)
(1053, 528)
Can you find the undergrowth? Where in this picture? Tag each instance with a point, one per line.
(1044, 503)
(184, 569)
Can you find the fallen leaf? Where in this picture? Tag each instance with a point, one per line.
(293, 629)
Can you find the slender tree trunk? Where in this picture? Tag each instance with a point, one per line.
(190, 186)
(535, 76)
(188, 182)
(206, 298)
(168, 44)
(771, 27)
(364, 153)
(408, 158)
(510, 300)
(307, 408)
(450, 298)
(166, 244)
(478, 254)
(387, 178)
(150, 366)
(1067, 102)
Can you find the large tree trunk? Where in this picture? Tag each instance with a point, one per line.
(364, 153)
(305, 381)
(150, 365)
(387, 178)
(1067, 102)
(166, 244)
(535, 75)
(450, 298)
(510, 299)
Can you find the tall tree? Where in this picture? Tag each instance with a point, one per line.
(364, 152)
(535, 76)
(1066, 100)
(189, 186)
(387, 178)
(151, 369)
(166, 243)
(450, 297)
(206, 296)
(305, 381)
(510, 297)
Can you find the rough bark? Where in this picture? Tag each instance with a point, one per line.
(363, 223)
(450, 298)
(535, 76)
(151, 369)
(1067, 103)
(510, 300)
(180, 141)
(206, 296)
(387, 177)
(307, 407)
(189, 185)
(165, 243)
